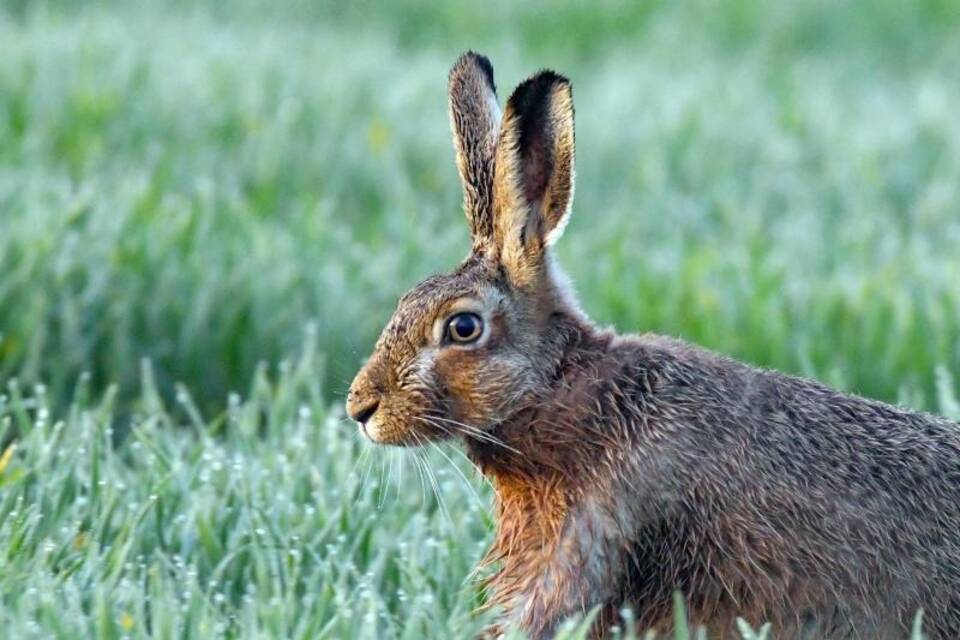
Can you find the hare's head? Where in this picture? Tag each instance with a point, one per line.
(467, 349)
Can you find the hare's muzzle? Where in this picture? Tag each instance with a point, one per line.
(362, 412)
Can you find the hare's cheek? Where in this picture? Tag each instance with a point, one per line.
(458, 376)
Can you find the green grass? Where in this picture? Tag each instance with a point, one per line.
(269, 520)
(215, 185)
(264, 522)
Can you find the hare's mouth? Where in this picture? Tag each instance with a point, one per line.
(385, 432)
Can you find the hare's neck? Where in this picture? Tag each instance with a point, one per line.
(547, 473)
(550, 462)
(530, 514)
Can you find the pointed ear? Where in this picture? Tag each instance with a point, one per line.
(475, 120)
(534, 173)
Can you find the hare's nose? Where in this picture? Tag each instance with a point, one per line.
(362, 412)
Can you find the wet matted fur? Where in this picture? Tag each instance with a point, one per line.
(627, 467)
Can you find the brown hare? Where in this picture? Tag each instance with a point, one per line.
(628, 467)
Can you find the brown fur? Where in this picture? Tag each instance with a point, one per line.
(629, 467)
(475, 120)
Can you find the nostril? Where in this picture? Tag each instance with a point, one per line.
(362, 414)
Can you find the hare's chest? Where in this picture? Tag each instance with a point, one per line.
(557, 550)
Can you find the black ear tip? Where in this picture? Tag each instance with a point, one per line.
(478, 61)
(550, 77)
(535, 89)
(484, 63)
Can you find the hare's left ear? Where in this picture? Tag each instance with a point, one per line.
(534, 173)
(475, 120)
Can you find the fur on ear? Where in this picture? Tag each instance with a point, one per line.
(475, 120)
(534, 172)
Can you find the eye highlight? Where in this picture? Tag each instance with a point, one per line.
(464, 328)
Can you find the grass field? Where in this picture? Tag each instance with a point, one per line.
(189, 190)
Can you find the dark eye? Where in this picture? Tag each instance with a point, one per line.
(464, 327)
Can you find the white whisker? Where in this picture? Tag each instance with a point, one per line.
(436, 486)
(466, 482)
(477, 433)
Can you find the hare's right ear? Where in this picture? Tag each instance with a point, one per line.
(475, 119)
(534, 173)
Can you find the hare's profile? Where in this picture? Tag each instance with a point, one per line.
(626, 468)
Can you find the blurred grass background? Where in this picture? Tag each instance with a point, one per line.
(195, 182)
(191, 189)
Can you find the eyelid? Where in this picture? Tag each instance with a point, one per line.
(464, 305)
